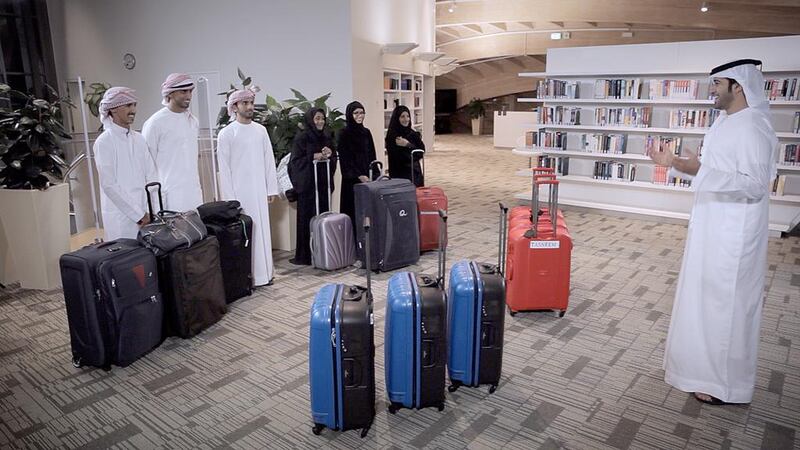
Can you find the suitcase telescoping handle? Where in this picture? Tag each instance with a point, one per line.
(442, 247)
(328, 187)
(553, 200)
(503, 235)
(421, 164)
(548, 175)
(149, 201)
(367, 224)
(372, 168)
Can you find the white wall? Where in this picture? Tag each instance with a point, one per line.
(299, 44)
(379, 22)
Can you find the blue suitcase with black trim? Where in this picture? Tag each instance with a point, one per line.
(476, 320)
(415, 347)
(341, 361)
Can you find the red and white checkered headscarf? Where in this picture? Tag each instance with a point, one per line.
(175, 82)
(113, 98)
(238, 96)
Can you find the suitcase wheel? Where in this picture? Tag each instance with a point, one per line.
(511, 312)
(453, 387)
(492, 388)
(562, 312)
(317, 429)
(440, 407)
(365, 430)
(393, 408)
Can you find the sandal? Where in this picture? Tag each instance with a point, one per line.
(711, 401)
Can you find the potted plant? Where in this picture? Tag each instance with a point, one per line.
(283, 121)
(34, 219)
(476, 111)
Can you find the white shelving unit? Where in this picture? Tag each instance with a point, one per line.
(642, 196)
(406, 89)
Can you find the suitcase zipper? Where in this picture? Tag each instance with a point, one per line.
(476, 335)
(414, 344)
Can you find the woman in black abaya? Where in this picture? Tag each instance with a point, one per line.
(400, 140)
(356, 150)
(314, 143)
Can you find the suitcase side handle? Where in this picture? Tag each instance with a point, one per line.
(442, 247)
(149, 200)
(421, 164)
(367, 225)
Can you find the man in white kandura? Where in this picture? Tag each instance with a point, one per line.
(712, 344)
(124, 166)
(171, 134)
(247, 173)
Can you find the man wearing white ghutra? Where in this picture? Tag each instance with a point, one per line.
(712, 345)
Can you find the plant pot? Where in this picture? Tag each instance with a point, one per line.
(283, 224)
(34, 233)
(477, 125)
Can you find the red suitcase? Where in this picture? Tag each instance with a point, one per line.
(429, 201)
(538, 265)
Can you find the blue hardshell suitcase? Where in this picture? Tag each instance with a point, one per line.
(415, 346)
(475, 320)
(342, 358)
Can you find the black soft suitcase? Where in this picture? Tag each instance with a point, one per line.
(114, 308)
(192, 286)
(392, 205)
(235, 254)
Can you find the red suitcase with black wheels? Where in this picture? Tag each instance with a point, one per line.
(539, 258)
(429, 201)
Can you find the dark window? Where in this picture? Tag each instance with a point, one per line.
(26, 52)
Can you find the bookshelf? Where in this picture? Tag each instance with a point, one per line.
(406, 89)
(584, 69)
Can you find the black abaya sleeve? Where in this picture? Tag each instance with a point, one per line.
(346, 152)
(300, 167)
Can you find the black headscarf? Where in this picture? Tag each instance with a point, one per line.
(352, 126)
(309, 122)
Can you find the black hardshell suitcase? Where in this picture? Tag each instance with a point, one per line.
(341, 361)
(194, 293)
(114, 308)
(235, 254)
(392, 206)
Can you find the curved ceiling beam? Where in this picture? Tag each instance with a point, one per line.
(759, 16)
(573, 30)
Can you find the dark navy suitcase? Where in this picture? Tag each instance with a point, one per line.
(114, 308)
(391, 204)
(341, 361)
(416, 337)
(475, 320)
(235, 255)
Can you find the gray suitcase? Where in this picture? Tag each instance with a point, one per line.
(332, 242)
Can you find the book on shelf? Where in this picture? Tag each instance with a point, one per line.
(638, 117)
(612, 170)
(692, 118)
(782, 89)
(790, 154)
(796, 123)
(417, 85)
(671, 144)
(558, 115)
(673, 89)
(544, 138)
(559, 164)
(617, 88)
(604, 143)
(557, 89)
(779, 185)
(390, 83)
(417, 101)
(406, 84)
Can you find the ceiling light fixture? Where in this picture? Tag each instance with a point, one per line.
(555, 36)
(452, 7)
(704, 7)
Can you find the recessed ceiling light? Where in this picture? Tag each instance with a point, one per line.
(555, 36)
(704, 7)
(452, 7)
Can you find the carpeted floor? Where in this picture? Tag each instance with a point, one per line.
(590, 380)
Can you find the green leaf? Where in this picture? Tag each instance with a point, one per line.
(298, 95)
(4, 88)
(246, 81)
(241, 75)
